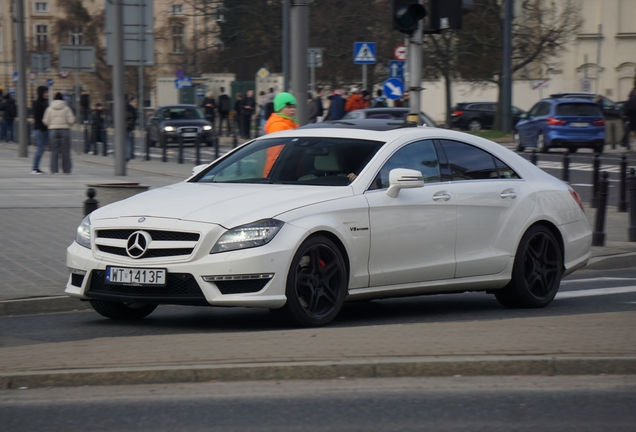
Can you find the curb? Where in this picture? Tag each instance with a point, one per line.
(41, 305)
(377, 368)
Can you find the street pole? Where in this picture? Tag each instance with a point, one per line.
(286, 17)
(119, 108)
(299, 44)
(23, 150)
(415, 72)
(599, 40)
(142, 39)
(506, 73)
(364, 77)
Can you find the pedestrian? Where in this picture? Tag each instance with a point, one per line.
(248, 105)
(238, 113)
(262, 101)
(9, 113)
(269, 105)
(224, 111)
(131, 121)
(59, 118)
(282, 119)
(629, 117)
(379, 101)
(337, 106)
(85, 106)
(356, 101)
(315, 110)
(209, 110)
(98, 128)
(40, 131)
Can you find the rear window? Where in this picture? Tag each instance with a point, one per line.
(578, 109)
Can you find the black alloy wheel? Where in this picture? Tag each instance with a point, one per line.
(119, 310)
(316, 284)
(537, 271)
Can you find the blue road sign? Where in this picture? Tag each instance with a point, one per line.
(184, 82)
(49, 82)
(396, 69)
(364, 53)
(15, 76)
(393, 88)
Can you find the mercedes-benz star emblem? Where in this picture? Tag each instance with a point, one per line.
(141, 219)
(137, 244)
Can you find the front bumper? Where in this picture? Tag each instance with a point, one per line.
(253, 277)
(173, 137)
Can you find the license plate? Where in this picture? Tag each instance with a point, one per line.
(189, 134)
(135, 276)
(575, 124)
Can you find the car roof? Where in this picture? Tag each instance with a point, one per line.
(361, 124)
(570, 100)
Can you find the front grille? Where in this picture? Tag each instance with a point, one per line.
(178, 286)
(157, 235)
(189, 129)
(241, 286)
(77, 279)
(113, 250)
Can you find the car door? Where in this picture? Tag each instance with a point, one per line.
(489, 111)
(529, 129)
(492, 204)
(412, 235)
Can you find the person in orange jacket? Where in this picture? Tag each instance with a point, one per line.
(355, 101)
(282, 119)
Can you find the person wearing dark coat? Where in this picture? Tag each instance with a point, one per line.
(248, 105)
(9, 113)
(85, 106)
(98, 123)
(315, 108)
(238, 113)
(629, 117)
(131, 122)
(209, 110)
(224, 111)
(40, 131)
(337, 107)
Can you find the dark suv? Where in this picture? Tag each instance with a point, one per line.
(475, 116)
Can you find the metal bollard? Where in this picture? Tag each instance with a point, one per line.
(626, 131)
(613, 134)
(566, 167)
(598, 237)
(91, 204)
(147, 147)
(257, 124)
(86, 143)
(180, 149)
(234, 141)
(164, 147)
(533, 157)
(216, 147)
(632, 205)
(622, 195)
(595, 171)
(197, 150)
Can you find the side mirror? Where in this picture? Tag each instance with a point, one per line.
(523, 116)
(402, 178)
(197, 169)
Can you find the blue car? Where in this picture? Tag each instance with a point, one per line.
(566, 123)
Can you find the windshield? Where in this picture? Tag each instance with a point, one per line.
(578, 109)
(306, 161)
(181, 113)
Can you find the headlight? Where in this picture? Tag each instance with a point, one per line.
(169, 128)
(207, 127)
(248, 236)
(83, 236)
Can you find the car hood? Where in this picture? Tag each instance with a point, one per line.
(228, 205)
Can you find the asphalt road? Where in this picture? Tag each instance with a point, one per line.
(585, 292)
(600, 403)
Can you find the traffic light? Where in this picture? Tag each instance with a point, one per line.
(406, 14)
(447, 14)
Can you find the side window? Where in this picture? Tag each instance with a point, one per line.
(468, 162)
(491, 107)
(544, 109)
(420, 156)
(504, 170)
(533, 110)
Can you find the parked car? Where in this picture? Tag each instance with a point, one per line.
(172, 122)
(302, 220)
(388, 113)
(611, 110)
(565, 122)
(475, 116)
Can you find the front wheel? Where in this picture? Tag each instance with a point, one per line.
(316, 284)
(536, 274)
(119, 310)
(474, 125)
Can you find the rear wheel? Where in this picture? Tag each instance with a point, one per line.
(536, 274)
(316, 284)
(119, 310)
(541, 145)
(474, 125)
(517, 138)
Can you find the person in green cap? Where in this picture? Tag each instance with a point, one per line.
(283, 116)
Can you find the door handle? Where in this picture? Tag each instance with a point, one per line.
(441, 196)
(509, 193)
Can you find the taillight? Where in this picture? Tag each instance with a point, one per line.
(457, 113)
(600, 122)
(555, 122)
(577, 198)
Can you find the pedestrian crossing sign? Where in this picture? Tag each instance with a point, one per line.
(364, 53)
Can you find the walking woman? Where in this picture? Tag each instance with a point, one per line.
(59, 118)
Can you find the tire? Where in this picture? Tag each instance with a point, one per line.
(316, 284)
(541, 145)
(537, 270)
(517, 138)
(474, 125)
(119, 310)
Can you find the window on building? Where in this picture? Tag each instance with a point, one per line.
(41, 37)
(178, 38)
(75, 36)
(177, 9)
(41, 7)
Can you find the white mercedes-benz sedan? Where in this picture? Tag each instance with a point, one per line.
(301, 221)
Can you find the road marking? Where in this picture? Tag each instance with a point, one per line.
(597, 279)
(595, 292)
